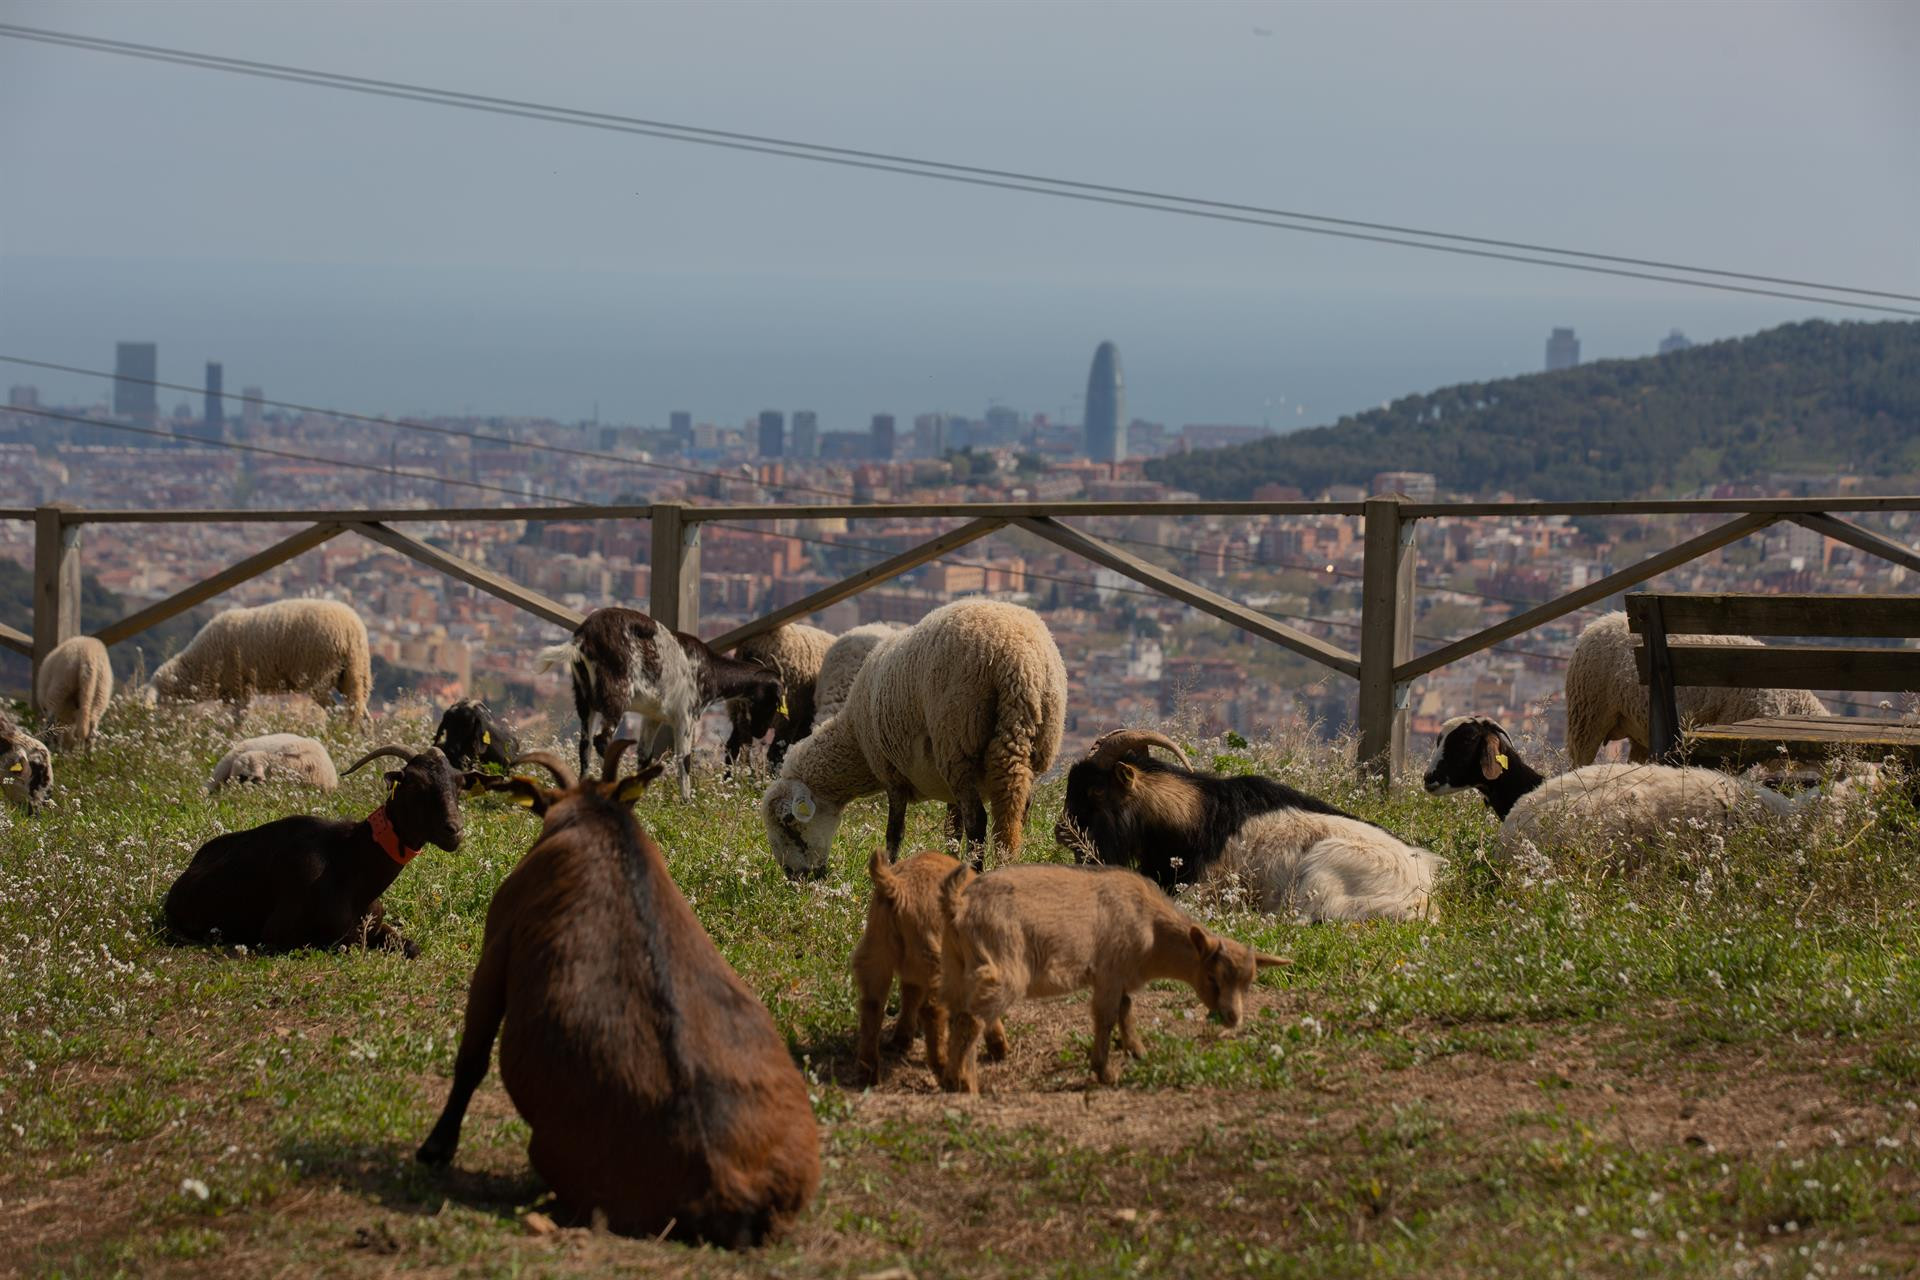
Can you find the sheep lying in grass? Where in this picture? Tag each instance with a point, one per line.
(659, 1091)
(1601, 804)
(966, 708)
(315, 647)
(904, 924)
(1293, 852)
(1606, 701)
(1041, 930)
(26, 766)
(75, 686)
(284, 756)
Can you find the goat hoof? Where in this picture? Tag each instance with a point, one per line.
(434, 1153)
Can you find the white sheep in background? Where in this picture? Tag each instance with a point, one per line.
(842, 663)
(1602, 804)
(1607, 702)
(967, 707)
(75, 686)
(290, 646)
(284, 756)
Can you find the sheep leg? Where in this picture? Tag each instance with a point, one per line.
(486, 1006)
(1129, 1036)
(898, 798)
(970, 815)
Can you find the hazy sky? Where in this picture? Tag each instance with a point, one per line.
(380, 255)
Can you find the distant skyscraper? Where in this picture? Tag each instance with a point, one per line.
(1106, 425)
(135, 366)
(214, 419)
(1675, 341)
(883, 436)
(806, 433)
(680, 423)
(773, 432)
(1563, 350)
(23, 396)
(252, 406)
(930, 435)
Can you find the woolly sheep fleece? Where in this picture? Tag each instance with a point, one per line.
(1605, 805)
(76, 684)
(1318, 867)
(794, 653)
(287, 756)
(290, 646)
(842, 664)
(1607, 702)
(975, 697)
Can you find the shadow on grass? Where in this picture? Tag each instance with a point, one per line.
(391, 1177)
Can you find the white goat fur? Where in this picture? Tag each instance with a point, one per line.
(1633, 803)
(290, 646)
(968, 706)
(1318, 866)
(277, 755)
(842, 663)
(75, 686)
(1607, 702)
(661, 706)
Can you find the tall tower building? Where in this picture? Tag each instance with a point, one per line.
(773, 432)
(883, 437)
(252, 407)
(1563, 350)
(1675, 341)
(806, 433)
(1106, 424)
(680, 423)
(213, 420)
(135, 367)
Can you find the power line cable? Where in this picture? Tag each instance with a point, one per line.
(430, 428)
(1009, 180)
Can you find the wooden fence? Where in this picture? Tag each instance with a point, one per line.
(1384, 666)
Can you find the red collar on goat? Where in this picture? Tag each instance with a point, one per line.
(387, 838)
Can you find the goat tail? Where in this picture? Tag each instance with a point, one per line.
(951, 888)
(557, 654)
(886, 885)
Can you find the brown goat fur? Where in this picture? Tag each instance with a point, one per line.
(1041, 930)
(659, 1091)
(904, 923)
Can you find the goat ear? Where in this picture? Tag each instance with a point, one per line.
(473, 782)
(1202, 942)
(1262, 960)
(526, 793)
(1493, 756)
(1125, 775)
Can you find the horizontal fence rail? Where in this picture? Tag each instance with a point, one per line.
(1384, 665)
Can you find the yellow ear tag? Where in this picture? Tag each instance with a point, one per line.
(524, 801)
(631, 790)
(16, 767)
(783, 704)
(1500, 758)
(392, 787)
(486, 738)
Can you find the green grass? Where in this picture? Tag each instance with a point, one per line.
(1696, 1058)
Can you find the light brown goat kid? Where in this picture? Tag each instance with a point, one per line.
(1036, 930)
(904, 923)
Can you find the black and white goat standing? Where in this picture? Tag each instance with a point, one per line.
(622, 661)
(1295, 852)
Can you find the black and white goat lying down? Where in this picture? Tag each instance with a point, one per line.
(1294, 853)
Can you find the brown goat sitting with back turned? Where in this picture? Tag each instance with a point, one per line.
(660, 1093)
(904, 922)
(1039, 930)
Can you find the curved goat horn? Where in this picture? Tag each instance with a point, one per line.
(1110, 747)
(610, 765)
(398, 753)
(551, 762)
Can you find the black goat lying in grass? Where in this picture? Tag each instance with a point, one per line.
(471, 735)
(316, 882)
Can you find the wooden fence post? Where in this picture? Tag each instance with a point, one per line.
(1386, 636)
(56, 583)
(674, 579)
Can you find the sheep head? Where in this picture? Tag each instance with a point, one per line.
(423, 796)
(800, 827)
(1468, 753)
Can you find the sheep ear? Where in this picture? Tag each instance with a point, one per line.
(1262, 960)
(1493, 757)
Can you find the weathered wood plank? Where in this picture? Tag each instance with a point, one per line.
(1854, 536)
(1386, 636)
(911, 558)
(18, 641)
(1259, 624)
(1741, 614)
(1663, 714)
(1801, 738)
(252, 567)
(472, 574)
(1652, 566)
(1784, 666)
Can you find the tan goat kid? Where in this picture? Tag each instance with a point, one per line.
(1035, 930)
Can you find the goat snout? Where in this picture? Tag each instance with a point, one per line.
(799, 874)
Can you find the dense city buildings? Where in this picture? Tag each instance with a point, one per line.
(1106, 423)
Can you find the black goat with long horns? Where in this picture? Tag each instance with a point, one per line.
(305, 881)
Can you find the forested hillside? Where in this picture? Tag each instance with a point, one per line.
(1804, 397)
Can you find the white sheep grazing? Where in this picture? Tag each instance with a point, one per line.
(1600, 804)
(285, 756)
(290, 646)
(967, 707)
(1607, 702)
(842, 663)
(75, 686)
